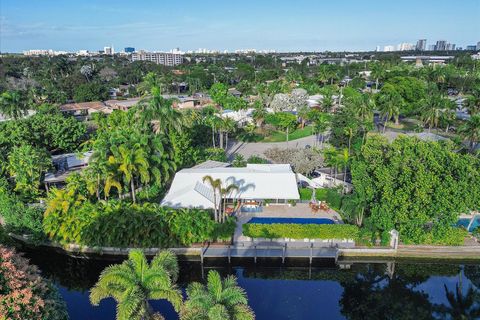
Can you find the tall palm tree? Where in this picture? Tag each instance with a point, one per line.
(471, 130)
(433, 106)
(216, 185)
(219, 299)
(259, 113)
(229, 126)
(343, 161)
(132, 163)
(473, 103)
(135, 281)
(389, 105)
(160, 113)
(224, 192)
(378, 72)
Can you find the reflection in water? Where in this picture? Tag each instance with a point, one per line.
(401, 290)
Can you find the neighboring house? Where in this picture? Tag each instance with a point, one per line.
(315, 101)
(241, 117)
(83, 109)
(234, 92)
(256, 183)
(65, 165)
(122, 105)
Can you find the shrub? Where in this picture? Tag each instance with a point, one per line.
(301, 231)
(305, 193)
(19, 217)
(257, 159)
(216, 154)
(123, 224)
(24, 294)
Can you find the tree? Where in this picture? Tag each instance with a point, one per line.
(26, 165)
(91, 91)
(132, 163)
(225, 191)
(433, 107)
(13, 105)
(389, 102)
(321, 122)
(473, 103)
(216, 185)
(471, 131)
(160, 114)
(259, 113)
(135, 281)
(282, 120)
(239, 161)
(219, 299)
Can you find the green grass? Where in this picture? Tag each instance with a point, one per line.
(331, 196)
(301, 231)
(279, 136)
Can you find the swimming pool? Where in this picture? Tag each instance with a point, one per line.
(265, 220)
(464, 222)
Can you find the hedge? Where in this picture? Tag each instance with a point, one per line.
(301, 231)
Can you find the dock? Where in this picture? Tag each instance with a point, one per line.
(255, 251)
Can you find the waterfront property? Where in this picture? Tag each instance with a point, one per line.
(258, 185)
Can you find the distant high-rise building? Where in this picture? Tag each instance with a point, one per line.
(405, 46)
(432, 47)
(377, 48)
(388, 48)
(163, 58)
(478, 46)
(421, 45)
(471, 48)
(441, 45)
(108, 50)
(129, 50)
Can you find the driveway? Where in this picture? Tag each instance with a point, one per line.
(248, 149)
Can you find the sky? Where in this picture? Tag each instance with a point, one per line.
(299, 25)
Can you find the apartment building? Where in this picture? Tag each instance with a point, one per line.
(163, 58)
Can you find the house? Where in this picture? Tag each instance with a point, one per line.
(83, 109)
(234, 92)
(123, 105)
(257, 183)
(241, 117)
(65, 165)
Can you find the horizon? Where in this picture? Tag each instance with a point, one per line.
(348, 26)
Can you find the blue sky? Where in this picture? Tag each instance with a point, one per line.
(280, 25)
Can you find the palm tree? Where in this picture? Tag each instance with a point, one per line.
(471, 130)
(12, 105)
(216, 185)
(433, 108)
(378, 72)
(219, 299)
(132, 163)
(160, 114)
(473, 103)
(259, 113)
(135, 281)
(343, 160)
(224, 192)
(229, 126)
(389, 105)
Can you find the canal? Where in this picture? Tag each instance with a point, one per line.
(351, 290)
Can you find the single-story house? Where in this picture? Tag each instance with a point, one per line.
(84, 108)
(66, 164)
(123, 105)
(256, 183)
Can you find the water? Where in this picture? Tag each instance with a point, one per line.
(386, 290)
(465, 222)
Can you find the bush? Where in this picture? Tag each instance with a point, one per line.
(257, 159)
(20, 218)
(24, 294)
(305, 193)
(122, 224)
(216, 154)
(301, 231)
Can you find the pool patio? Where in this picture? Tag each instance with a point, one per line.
(300, 210)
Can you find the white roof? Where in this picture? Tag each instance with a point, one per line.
(256, 181)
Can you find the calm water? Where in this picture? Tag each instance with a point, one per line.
(395, 290)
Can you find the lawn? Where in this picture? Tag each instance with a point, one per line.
(279, 136)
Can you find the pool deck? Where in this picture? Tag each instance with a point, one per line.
(301, 210)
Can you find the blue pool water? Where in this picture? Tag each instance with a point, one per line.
(265, 220)
(464, 222)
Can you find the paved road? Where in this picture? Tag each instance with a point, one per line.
(248, 149)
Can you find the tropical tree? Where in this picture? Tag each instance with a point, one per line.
(389, 102)
(471, 130)
(472, 103)
(132, 163)
(226, 191)
(378, 72)
(26, 165)
(433, 107)
(216, 185)
(160, 114)
(259, 113)
(136, 281)
(343, 162)
(13, 105)
(219, 299)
